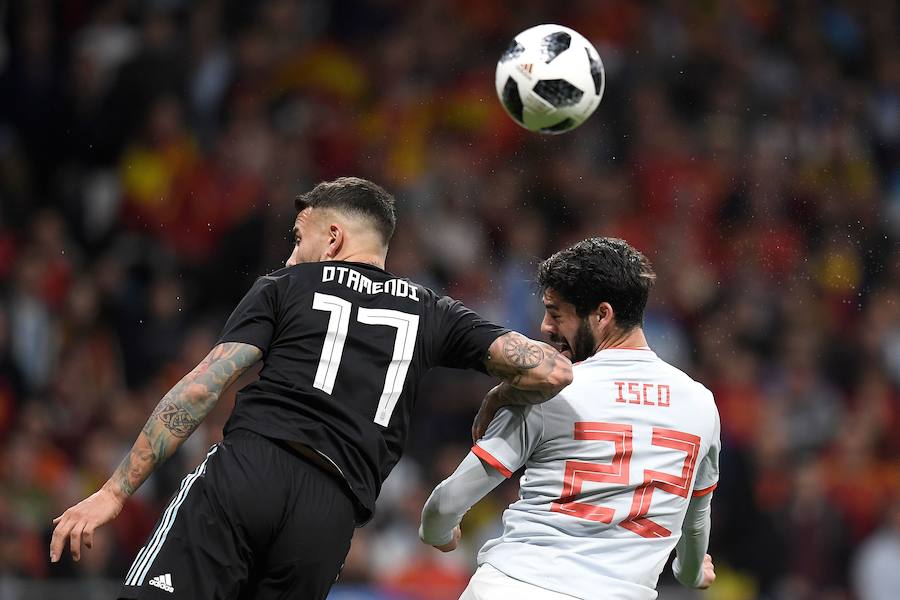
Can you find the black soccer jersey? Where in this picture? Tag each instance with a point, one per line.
(344, 348)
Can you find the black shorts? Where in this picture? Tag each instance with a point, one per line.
(254, 520)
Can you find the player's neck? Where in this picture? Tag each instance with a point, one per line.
(369, 258)
(633, 338)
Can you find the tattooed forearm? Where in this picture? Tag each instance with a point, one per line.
(507, 395)
(176, 419)
(503, 395)
(529, 365)
(180, 412)
(128, 476)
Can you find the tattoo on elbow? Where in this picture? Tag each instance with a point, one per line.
(522, 353)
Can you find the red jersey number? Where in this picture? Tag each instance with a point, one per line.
(617, 472)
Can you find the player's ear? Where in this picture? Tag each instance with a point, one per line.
(335, 240)
(603, 315)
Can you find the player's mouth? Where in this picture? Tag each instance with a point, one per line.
(562, 346)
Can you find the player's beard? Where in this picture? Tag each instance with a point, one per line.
(579, 347)
(583, 345)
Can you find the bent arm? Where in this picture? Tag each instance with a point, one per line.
(179, 413)
(453, 497)
(691, 548)
(534, 369)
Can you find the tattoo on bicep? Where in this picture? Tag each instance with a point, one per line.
(186, 404)
(225, 364)
(522, 353)
(180, 412)
(176, 419)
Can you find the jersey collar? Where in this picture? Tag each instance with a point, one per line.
(633, 353)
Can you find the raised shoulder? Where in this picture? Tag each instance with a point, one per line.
(701, 396)
(685, 379)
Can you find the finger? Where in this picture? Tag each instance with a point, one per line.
(75, 540)
(58, 540)
(59, 537)
(87, 536)
(57, 519)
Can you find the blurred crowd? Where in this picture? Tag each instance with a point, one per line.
(150, 152)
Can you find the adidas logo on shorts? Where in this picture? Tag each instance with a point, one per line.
(163, 582)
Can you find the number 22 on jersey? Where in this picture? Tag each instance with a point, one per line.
(407, 327)
(618, 471)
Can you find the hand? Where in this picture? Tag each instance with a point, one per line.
(709, 573)
(78, 523)
(453, 543)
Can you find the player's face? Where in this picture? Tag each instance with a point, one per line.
(571, 334)
(311, 239)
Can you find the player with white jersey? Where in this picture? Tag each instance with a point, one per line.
(619, 467)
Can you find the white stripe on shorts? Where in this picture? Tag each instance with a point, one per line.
(148, 553)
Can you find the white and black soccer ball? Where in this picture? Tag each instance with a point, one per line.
(550, 79)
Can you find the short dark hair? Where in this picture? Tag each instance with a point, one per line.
(356, 196)
(601, 269)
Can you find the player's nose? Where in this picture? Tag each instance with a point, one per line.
(292, 259)
(547, 327)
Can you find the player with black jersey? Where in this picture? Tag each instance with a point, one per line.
(344, 345)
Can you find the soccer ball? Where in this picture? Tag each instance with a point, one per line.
(550, 79)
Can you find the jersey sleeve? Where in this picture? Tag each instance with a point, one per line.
(453, 497)
(708, 471)
(464, 336)
(253, 320)
(511, 438)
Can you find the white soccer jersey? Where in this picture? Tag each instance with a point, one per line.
(610, 466)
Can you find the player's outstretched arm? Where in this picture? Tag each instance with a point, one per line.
(176, 416)
(452, 498)
(529, 366)
(693, 567)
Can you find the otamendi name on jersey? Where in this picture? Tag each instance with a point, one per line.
(360, 283)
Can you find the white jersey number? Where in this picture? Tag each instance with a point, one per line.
(407, 326)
